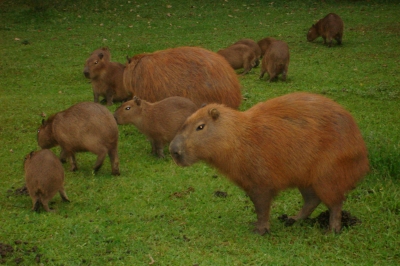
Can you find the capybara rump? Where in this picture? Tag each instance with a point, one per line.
(276, 60)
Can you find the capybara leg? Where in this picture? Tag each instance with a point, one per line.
(96, 97)
(311, 201)
(262, 199)
(45, 204)
(283, 76)
(256, 62)
(36, 204)
(63, 195)
(99, 161)
(335, 218)
(113, 154)
(160, 149)
(247, 68)
(262, 74)
(272, 77)
(153, 147)
(63, 156)
(339, 39)
(109, 98)
(74, 167)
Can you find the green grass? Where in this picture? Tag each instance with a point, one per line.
(156, 210)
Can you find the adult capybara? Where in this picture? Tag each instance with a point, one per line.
(240, 56)
(44, 177)
(264, 44)
(195, 73)
(106, 77)
(276, 60)
(159, 121)
(298, 140)
(254, 46)
(330, 27)
(84, 126)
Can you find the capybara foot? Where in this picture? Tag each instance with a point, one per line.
(261, 231)
(115, 172)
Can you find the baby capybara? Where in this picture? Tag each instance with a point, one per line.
(298, 140)
(195, 73)
(159, 121)
(44, 177)
(330, 27)
(276, 60)
(240, 56)
(84, 126)
(106, 77)
(254, 46)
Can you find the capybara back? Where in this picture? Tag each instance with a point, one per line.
(195, 73)
(44, 177)
(298, 140)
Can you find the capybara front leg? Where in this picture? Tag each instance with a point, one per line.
(99, 161)
(262, 74)
(109, 97)
(159, 149)
(63, 156)
(74, 167)
(262, 199)
(311, 201)
(335, 218)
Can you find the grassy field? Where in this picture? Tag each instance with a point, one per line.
(155, 212)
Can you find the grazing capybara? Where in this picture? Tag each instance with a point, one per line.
(276, 60)
(240, 56)
(254, 46)
(264, 44)
(298, 140)
(159, 121)
(84, 126)
(330, 27)
(106, 77)
(195, 73)
(44, 177)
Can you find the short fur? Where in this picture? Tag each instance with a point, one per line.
(84, 126)
(158, 121)
(330, 27)
(240, 56)
(44, 177)
(298, 140)
(254, 46)
(264, 44)
(106, 77)
(191, 72)
(276, 60)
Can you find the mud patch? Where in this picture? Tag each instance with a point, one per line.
(22, 191)
(21, 253)
(322, 220)
(183, 193)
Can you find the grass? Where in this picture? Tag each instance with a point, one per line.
(158, 213)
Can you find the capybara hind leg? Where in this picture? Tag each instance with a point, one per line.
(284, 76)
(339, 39)
(262, 74)
(113, 154)
(99, 161)
(35, 204)
(45, 204)
(74, 167)
(262, 199)
(63, 156)
(311, 201)
(63, 195)
(335, 218)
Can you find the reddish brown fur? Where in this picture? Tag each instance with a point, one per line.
(330, 27)
(84, 126)
(297, 140)
(44, 177)
(264, 44)
(254, 46)
(240, 56)
(191, 72)
(106, 77)
(276, 60)
(158, 121)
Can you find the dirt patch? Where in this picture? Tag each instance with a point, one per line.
(323, 220)
(22, 249)
(183, 193)
(19, 191)
(220, 194)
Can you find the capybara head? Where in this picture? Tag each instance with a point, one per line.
(95, 63)
(45, 137)
(129, 112)
(312, 33)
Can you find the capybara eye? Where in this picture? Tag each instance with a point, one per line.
(128, 108)
(200, 127)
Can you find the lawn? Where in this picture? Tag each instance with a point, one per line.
(156, 213)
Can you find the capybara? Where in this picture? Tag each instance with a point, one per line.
(159, 121)
(276, 60)
(192, 72)
(240, 56)
(44, 177)
(330, 27)
(298, 140)
(254, 46)
(106, 77)
(264, 44)
(85, 126)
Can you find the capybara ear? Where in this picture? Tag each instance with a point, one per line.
(137, 100)
(101, 55)
(214, 113)
(127, 58)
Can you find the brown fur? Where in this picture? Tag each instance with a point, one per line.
(276, 60)
(106, 77)
(191, 72)
(158, 121)
(84, 126)
(330, 27)
(240, 56)
(298, 140)
(254, 46)
(264, 44)
(44, 177)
